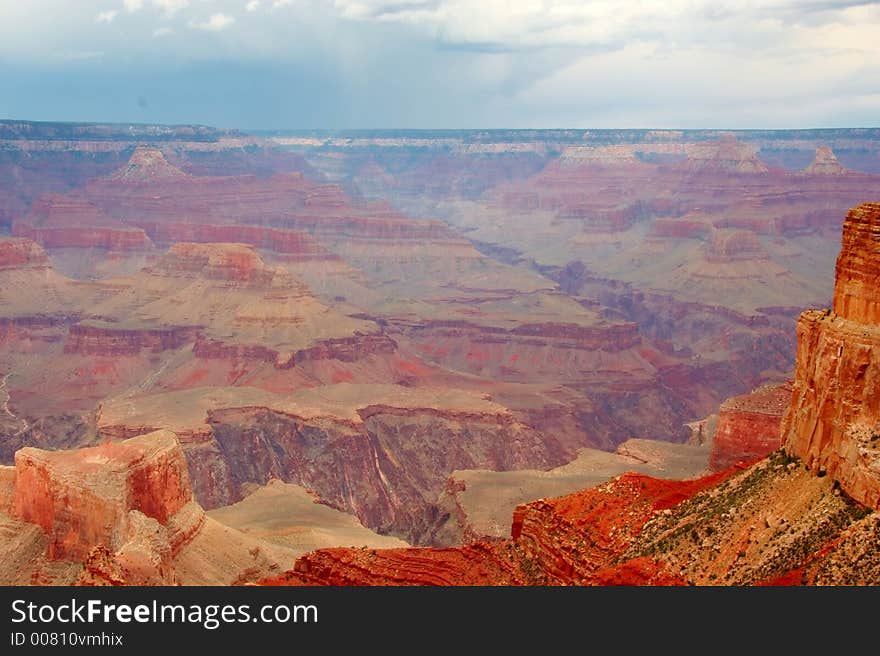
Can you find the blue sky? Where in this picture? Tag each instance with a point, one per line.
(443, 63)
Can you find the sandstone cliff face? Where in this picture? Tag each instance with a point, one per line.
(749, 426)
(833, 423)
(83, 498)
(119, 514)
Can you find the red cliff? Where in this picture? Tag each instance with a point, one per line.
(83, 498)
(749, 426)
(825, 163)
(833, 423)
(71, 221)
(21, 253)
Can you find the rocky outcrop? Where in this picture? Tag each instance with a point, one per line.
(220, 262)
(825, 163)
(22, 253)
(71, 221)
(107, 340)
(296, 246)
(857, 291)
(833, 423)
(726, 155)
(771, 523)
(121, 513)
(576, 539)
(147, 164)
(749, 426)
(736, 245)
(101, 495)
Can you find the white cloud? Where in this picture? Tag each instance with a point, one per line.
(170, 7)
(106, 16)
(215, 23)
(132, 5)
(280, 3)
(162, 31)
(253, 5)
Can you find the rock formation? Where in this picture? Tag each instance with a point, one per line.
(393, 447)
(146, 165)
(770, 524)
(833, 423)
(774, 522)
(825, 163)
(121, 513)
(749, 426)
(83, 498)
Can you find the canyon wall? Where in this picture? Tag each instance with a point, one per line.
(749, 426)
(833, 423)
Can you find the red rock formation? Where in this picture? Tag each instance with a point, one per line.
(727, 155)
(123, 239)
(83, 498)
(475, 564)
(749, 426)
(214, 262)
(147, 165)
(833, 423)
(71, 221)
(736, 245)
(19, 253)
(825, 163)
(575, 539)
(108, 340)
(295, 245)
(856, 291)
(575, 536)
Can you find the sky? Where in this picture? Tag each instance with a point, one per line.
(336, 64)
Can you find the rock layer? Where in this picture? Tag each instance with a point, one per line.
(749, 426)
(121, 513)
(834, 419)
(84, 498)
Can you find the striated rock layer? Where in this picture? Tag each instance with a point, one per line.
(82, 498)
(121, 513)
(749, 426)
(771, 523)
(834, 419)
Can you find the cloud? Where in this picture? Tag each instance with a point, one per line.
(167, 7)
(449, 63)
(215, 23)
(170, 7)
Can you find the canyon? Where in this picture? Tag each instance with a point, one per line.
(405, 340)
(806, 514)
